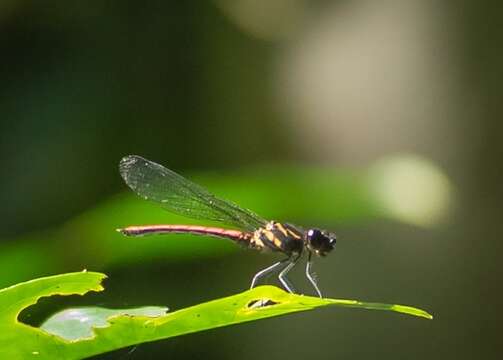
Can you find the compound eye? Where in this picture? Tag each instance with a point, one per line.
(316, 238)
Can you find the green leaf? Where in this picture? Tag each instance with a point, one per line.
(66, 336)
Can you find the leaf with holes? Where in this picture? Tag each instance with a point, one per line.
(83, 332)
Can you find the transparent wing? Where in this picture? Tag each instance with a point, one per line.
(179, 195)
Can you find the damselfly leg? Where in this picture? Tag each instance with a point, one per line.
(282, 275)
(268, 270)
(311, 276)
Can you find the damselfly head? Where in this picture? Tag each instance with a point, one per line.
(320, 241)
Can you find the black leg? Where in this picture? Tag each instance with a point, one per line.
(282, 275)
(267, 271)
(310, 275)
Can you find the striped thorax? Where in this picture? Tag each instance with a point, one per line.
(280, 237)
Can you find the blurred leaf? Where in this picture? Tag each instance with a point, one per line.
(95, 330)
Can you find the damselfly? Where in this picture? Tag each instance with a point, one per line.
(176, 194)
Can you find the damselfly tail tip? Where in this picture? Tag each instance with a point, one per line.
(122, 231)
(130, 231)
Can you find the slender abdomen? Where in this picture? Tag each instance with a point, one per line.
(142, 230)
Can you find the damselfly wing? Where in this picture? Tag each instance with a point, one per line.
(176, 194)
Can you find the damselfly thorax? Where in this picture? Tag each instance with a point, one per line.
(278, 237)
(177, 194)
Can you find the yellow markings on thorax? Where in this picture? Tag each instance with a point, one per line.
(281, 228)
(277, 242)
(294, 234)
(273, 235)
(269, 234)
(256, 242)
(286, 231)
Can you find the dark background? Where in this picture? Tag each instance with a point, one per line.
(218, 88)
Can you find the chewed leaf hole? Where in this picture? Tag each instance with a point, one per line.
(260, 303)
(78, 323)
(34, 315)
